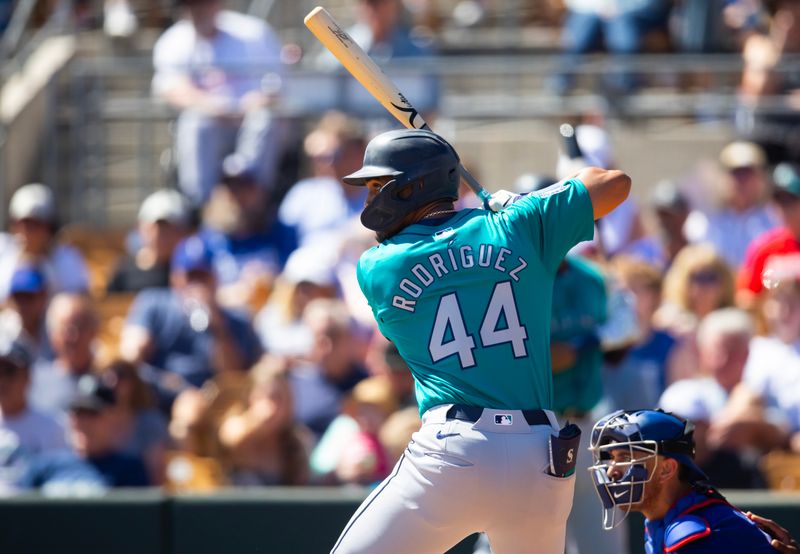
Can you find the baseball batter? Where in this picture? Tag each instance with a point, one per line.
(466, 297)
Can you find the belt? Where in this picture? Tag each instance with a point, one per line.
(473, 414)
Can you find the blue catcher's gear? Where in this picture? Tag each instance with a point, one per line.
(645, 434)
(423, 167)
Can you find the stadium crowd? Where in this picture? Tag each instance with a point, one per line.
(248, 355)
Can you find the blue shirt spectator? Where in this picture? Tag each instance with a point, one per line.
(94, 431)
(182, 330)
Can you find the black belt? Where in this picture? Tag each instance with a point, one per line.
(473, 414)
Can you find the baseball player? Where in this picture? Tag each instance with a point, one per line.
(465, 295)
(644, 462)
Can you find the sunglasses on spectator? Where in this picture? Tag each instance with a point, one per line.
(705, 277)
(85, 412)
(743, 172)
(783, 198)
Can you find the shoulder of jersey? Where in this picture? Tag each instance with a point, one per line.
(684, 530)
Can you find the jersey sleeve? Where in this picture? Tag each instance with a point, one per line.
(556, 218)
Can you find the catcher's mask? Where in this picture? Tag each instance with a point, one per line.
(643, 435)
(423, 168)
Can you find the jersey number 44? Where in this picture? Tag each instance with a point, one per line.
(500, 325)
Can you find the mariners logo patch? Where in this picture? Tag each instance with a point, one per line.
(503, 419)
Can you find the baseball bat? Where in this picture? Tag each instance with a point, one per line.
(373, 79)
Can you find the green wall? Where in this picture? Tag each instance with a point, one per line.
(246, 521)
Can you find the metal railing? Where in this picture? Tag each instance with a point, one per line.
(108, 103)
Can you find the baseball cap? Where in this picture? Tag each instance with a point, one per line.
(192, 254)
(27, 279)
(33, 201)
(237, 171)
(309, 264)
(92, 394)
(165, 205)
(787, 179)
(16, 353)
(742, 153)
(667, 197)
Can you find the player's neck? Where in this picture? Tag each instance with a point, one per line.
(439, 209)
(665, 499)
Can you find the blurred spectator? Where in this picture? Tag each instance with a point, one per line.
(622, 230)
(363, 459)
(95, 435)
(25, 433)
(579, 309)
(397, 430)
(260, 440)
(142, 428)
(698, 28)
(320, 206)
(221, 70)
(636, 377)
(764, 81)
(671, 210)
(33, 240)
(308, 275)
(119, 21)
(773, 367)
(183, 330)
(6, 9)
(381, 31)
(742, 211)
(350, 450)
(164, 220)
(780, 242)
(335, 365)
(619, 25)
(698, 282)
(24, 315)
(401, 381)
(249, 245)
(736, 430)
(72, 325)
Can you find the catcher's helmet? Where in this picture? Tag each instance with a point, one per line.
(423, 167)
(645, 434)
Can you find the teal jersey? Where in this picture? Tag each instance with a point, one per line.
(579, 307)
(467, 300)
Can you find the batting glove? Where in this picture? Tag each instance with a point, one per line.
(502, 199)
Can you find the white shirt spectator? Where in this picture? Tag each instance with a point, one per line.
(773, 372)
(64, 267)
(730, 232)
(23, 437)
(51, 388)
(697, 399)
(231, 64)
(34, 431)
(319, 209)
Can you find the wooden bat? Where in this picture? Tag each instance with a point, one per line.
(372, 78)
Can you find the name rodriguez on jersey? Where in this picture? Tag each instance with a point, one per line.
(439, 265)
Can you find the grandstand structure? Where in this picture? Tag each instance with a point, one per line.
(93, 130)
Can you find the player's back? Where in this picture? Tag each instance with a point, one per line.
(467, 299)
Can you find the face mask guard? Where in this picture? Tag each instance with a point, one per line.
(609, 436)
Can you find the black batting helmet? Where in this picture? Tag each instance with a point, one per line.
(423, 167)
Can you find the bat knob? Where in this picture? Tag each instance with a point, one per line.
(566, 130)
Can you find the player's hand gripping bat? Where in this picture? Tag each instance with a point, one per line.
(372, 78)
